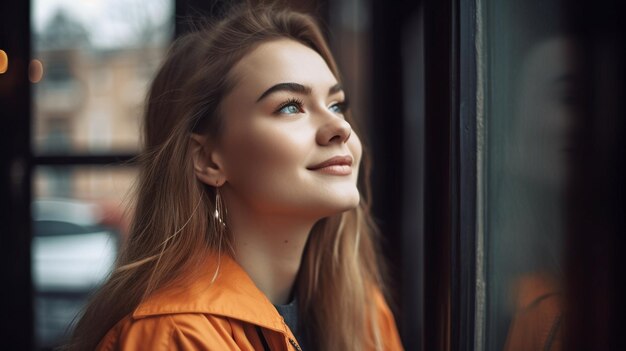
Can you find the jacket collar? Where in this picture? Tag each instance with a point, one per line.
(232, 294)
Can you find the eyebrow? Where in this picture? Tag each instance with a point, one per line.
(296, 88)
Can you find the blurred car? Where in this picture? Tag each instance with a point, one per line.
(72, 254)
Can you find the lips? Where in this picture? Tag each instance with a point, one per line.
(338, 165)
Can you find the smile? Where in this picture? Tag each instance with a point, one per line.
(338, 165)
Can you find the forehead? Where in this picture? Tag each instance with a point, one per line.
(279, 61)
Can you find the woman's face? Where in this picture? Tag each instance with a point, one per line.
(287, 148)
(549, 99)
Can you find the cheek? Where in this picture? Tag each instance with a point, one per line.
(257, 151)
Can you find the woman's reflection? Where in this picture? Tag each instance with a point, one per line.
(538, 163)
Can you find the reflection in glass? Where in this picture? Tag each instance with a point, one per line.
(533, 113)
(97, 58)
(540, 161)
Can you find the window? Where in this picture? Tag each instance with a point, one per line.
(98, 58)
(532, 78)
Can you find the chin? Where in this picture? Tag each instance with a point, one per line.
(329, 204)
(347, 202)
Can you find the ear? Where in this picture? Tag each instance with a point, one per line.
(207, 162)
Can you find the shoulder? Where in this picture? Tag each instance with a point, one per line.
(185, 331)
(385, 316)
(381, 302)
(386, 322)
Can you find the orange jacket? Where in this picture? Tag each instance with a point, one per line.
(219, 316)
(537, 323)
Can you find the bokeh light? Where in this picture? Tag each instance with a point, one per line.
(4, 61)
(35, 71)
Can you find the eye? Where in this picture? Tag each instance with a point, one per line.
(339, 107)
(290, 107)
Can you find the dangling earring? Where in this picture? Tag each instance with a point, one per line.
(220, 209)
(219, 225)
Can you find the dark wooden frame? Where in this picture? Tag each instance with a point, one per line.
(16, 305)
(449, 166)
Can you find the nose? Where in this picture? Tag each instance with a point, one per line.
(334, 129)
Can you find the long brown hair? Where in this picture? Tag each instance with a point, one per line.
(172, 230)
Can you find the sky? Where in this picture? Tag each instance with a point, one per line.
(111, 23)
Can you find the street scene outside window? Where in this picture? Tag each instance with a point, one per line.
(96, 61)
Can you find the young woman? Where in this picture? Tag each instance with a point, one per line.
(249, 232)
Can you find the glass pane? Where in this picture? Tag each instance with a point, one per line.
(97, 59)
(532, 91)
(79, 221)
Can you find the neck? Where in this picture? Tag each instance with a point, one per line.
(269, 248)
